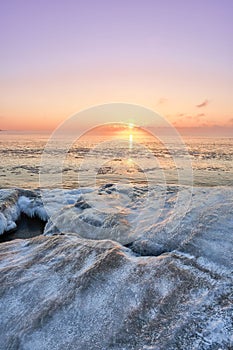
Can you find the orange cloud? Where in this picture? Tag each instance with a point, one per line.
(203, 104)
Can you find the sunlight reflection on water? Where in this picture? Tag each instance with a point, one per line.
(20, 155)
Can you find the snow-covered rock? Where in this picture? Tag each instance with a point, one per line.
(65, 292)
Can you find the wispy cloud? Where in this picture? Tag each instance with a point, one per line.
(203, 104)
(195, 117)
(162, 101)
(184, 119)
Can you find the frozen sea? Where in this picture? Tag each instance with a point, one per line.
(124, 248)
(211, 159)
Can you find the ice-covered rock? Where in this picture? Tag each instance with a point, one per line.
(171, 288)
(14, 202)
(65, 292)
(9, 210)
(205, 231)
(152, 223)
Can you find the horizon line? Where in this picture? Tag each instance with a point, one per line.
(204, 127)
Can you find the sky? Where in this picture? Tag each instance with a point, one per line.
(61, 56)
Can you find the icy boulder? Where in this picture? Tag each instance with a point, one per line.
(14, 202)
(206, 230)
(9, 210)
(90, 224)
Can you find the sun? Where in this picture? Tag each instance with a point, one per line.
(128, 132)
(131, 133)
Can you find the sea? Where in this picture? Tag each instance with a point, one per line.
(97, 160)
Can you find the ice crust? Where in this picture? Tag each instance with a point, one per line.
(74, 293)
(148, 221)
(78, 287)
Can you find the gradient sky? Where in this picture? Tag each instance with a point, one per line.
(60, 56)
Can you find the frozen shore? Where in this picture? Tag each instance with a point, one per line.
(125, 279)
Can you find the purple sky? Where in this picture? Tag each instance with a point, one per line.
(60, 56)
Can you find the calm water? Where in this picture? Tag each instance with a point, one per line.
(96, 160)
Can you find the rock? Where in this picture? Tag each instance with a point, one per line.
(82, 204)
(64, 292)
(14, 202)
(9, 211)
(206, 231)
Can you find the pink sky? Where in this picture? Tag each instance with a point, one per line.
(174, 57)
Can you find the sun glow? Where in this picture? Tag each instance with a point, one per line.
(128, 132)
(131, 133)
(130, 141)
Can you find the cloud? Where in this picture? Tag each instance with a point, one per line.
(196, 117)
(187, 120)
(184, 116)
(162, 101)
(230, 121)
(203, 104)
